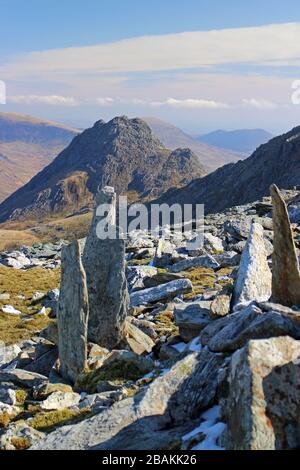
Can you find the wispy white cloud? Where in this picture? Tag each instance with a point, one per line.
(190, 103)
(259, 103)
(105, 101)
(51, 100)
(264, 44)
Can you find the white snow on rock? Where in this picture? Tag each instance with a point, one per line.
(211, 427)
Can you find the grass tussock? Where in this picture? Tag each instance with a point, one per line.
(48, 421)
(21, 443)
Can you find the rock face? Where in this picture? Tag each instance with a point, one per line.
(254, 278)
(191, 318)
(285, 270)
(73, 311)
(245, 181)
(104, 263)
(262, 409)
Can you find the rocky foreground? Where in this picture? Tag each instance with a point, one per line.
(152, 346)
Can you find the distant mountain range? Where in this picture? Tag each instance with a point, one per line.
(122, 153)
(27, 145)
(173, 137)
(277, 162)
(243, 140)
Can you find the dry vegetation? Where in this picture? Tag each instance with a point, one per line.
(15, 328)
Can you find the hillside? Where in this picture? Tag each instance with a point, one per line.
(277, 162)
(27, 145)
(122, 153)
(241, 140)
(173, 137)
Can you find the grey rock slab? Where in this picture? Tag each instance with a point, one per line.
(205, 261)
(104, 263)
(162, 292)
(262, 409)
(254, 278)
(191, 318)
(285, 266)
(73, 311)
(22, 378)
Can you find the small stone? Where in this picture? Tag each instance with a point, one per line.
(60, 401)
(9, 309)
(220, 307)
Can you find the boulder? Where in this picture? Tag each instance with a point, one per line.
(254, 276)
(191, 318)
(73, 313)
(104, 263)
(8, 353)
(220, 306)
(205, 261)
(137, 340)
(263, 406)
(22, 378)
(136, 276)
(60, 401)
(163, 292)
(234, 331)
(285, 266)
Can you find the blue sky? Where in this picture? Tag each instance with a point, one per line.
(240, 77)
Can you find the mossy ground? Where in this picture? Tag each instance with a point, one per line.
(48, 421)
(16, 328)
(21, 443)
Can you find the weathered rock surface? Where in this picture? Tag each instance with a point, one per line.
(285, 269)
(137, 340)
(104, 263)
(60, 401)
(22, 378)
(191, 318)
(205, 261)
(8, 354)
(176, 397)
(254, 277)
(73, 311)
(234, 331)
(220, 306)
(262, 410)
(162, 292)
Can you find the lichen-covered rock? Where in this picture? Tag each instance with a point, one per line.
(220, 306)
(205, 261)
(73, 313)
(285, 266)
(254, 277)
(263, 406)
(104, 263)
(60, 401)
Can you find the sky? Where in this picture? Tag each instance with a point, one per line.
(201, 65)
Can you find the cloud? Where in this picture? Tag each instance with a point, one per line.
(51, 100)
(255, 45)
(105, 101)
(190, 103)
(259, 103)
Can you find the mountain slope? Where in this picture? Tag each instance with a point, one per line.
(27, 145)
(241, 140)
(278, 162)
(173, 137)
(122, 153)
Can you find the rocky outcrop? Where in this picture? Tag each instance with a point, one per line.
(262, 409)
(285, 269)
(104, 264)
(73, 312)
(177, 396)
(254, 276)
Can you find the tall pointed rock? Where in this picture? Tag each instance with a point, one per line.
(72, 314)
(104, 263)
(286, 275)
(254, 276)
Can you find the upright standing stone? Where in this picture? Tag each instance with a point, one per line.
(104, 263)
(72, 314)
(286, 275)
(254, 277)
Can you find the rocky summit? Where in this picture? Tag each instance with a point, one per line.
(144, 344)
(122, 153)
